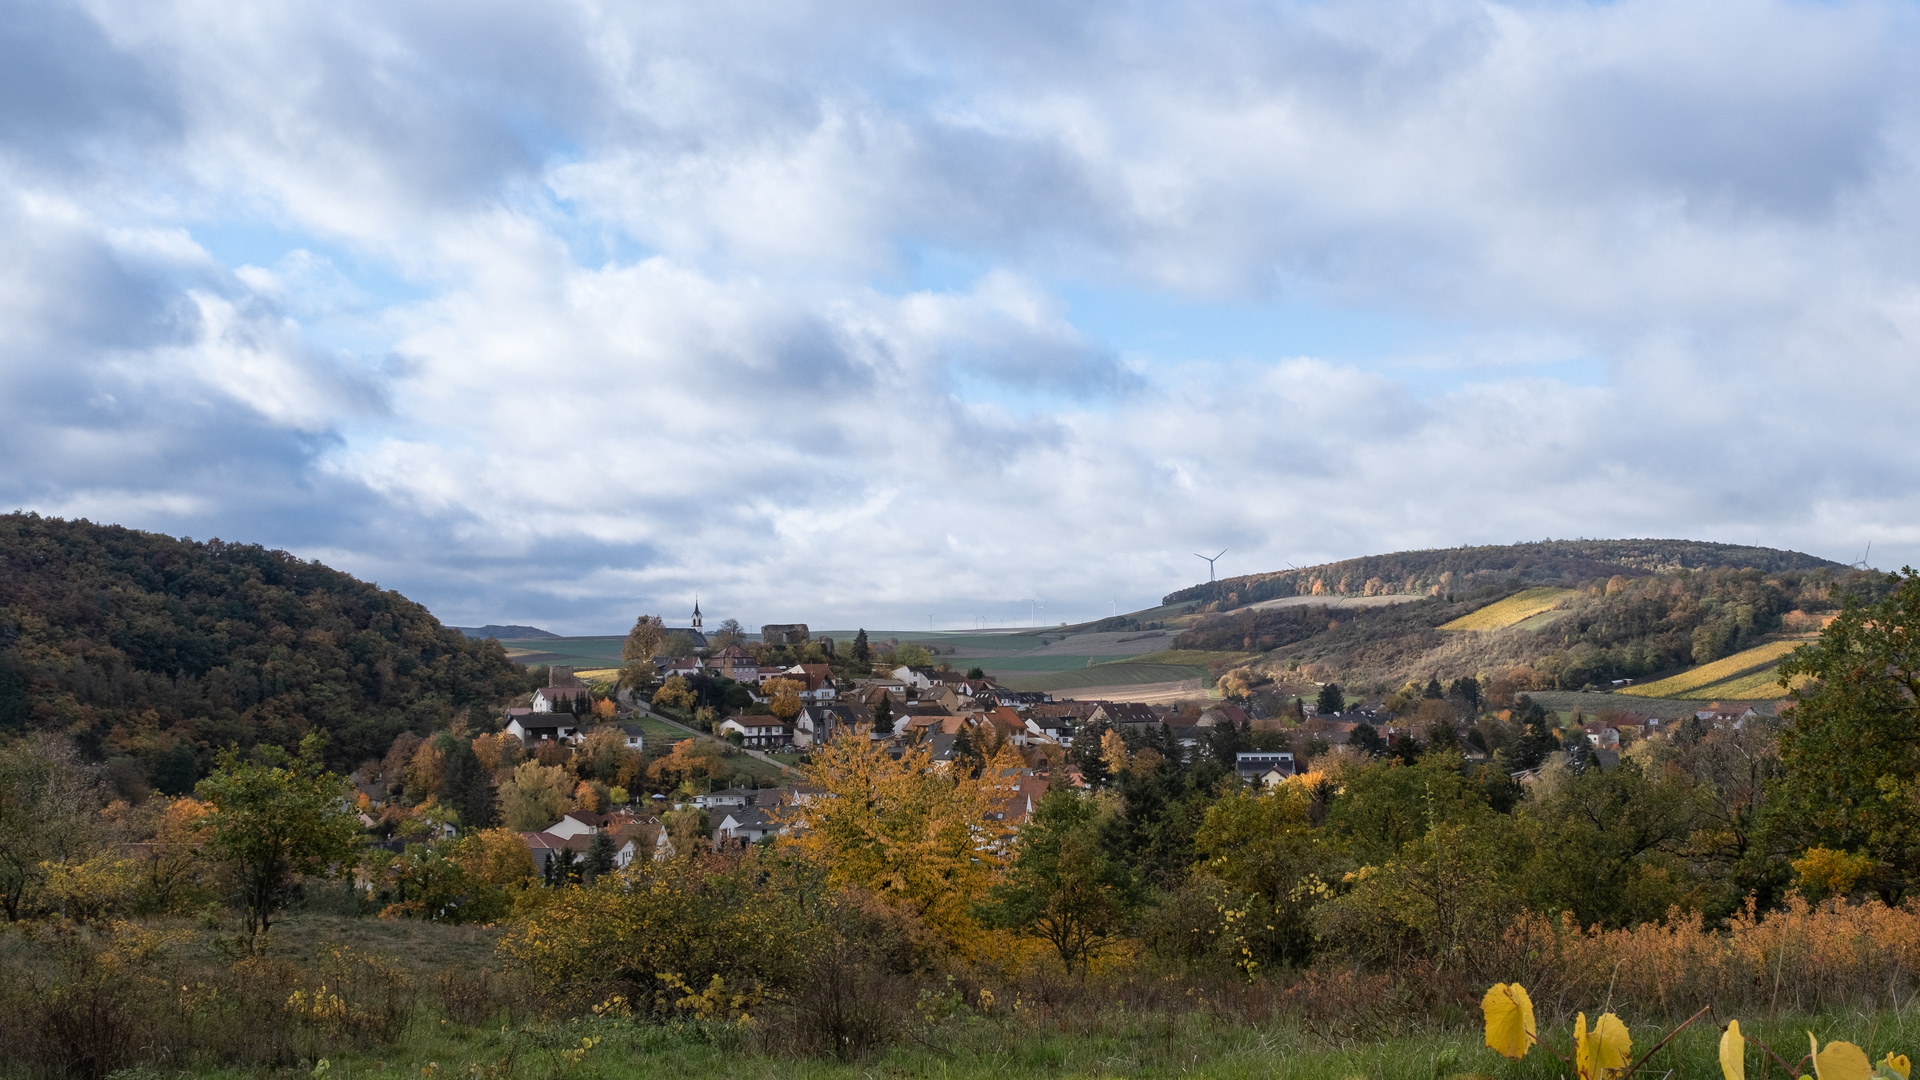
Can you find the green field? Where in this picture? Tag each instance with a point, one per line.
(1744, 674)
(1123, 673)
(1183, 657)
(1512, 611)
(1043, 663)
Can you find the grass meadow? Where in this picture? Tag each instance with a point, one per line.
(466, 1019)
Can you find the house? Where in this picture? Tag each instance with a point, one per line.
(647, 838)
(728, 797)
(576, 823)
(748, 824)
(1007, 723)
(950, 699)
(1266, 767)
(735, 663)
(818, 680)
(1602, 735)
(1017, 807)
(545, 698)
(1225, 714)
(757, 731)
(1733, 716)
(818, 725)
(1124, 715)
(919, 678)
(1051, 729)
(539, 731)
(686, 667)
(541, 846)
(630, 734)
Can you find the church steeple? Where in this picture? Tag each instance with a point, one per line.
(696, 611)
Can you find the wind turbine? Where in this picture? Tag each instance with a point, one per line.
(1862, 564)
(1210, 562)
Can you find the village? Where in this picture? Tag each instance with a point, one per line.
(773, 715)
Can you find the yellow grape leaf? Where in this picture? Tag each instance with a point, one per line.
(1733, 1052)
(1898, 1065)
(1510, 1027)
(1602, 1052)
(1840, 1061)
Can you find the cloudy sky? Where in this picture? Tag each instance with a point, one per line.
(876, 313)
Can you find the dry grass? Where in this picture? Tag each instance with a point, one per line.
(1806, 959)
(1751, 669)
(1515, 609)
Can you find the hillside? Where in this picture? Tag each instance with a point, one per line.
(1553, 616)
(513, 632)
(1548, 562)
(153, 652)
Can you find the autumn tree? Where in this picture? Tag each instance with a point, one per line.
(908, 833)
(643, 643)
(674, 693)
(784, 698)
(1063, 886)
(275, 821)
(534, 797)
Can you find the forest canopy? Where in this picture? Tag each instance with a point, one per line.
(152, 653)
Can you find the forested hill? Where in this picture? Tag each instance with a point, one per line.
(153, 652)
(1547, 562)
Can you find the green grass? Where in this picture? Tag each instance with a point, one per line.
(1749, 668)
(1050, 662)
(1183, 657)
(1513, 610)
(1114, 1042)
(1121, 673)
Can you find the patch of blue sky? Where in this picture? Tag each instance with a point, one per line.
(254, 243)
(1162, 330)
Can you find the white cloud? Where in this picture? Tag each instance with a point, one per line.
(556, 314)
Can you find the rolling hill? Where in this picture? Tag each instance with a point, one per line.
(1547, 562)
(1702, 620)
(153, 652)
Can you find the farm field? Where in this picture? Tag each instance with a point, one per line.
(1194, 657)
(1747, 671)
(1387, 600)
(586, 652)
(1512, 611)
(1126, 673)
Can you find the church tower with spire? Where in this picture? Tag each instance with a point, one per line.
(696, 613)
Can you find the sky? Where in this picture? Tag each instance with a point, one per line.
(906, 315)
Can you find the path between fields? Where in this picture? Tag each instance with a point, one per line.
(625, 697)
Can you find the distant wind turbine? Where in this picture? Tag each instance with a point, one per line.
(1210, 562)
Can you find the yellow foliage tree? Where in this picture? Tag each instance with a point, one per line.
(783, 697)
(534, 797)
(497, 751)
(1113, 750)
(495, 857)
(674, 693)
(690, 759)
(915, 836)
